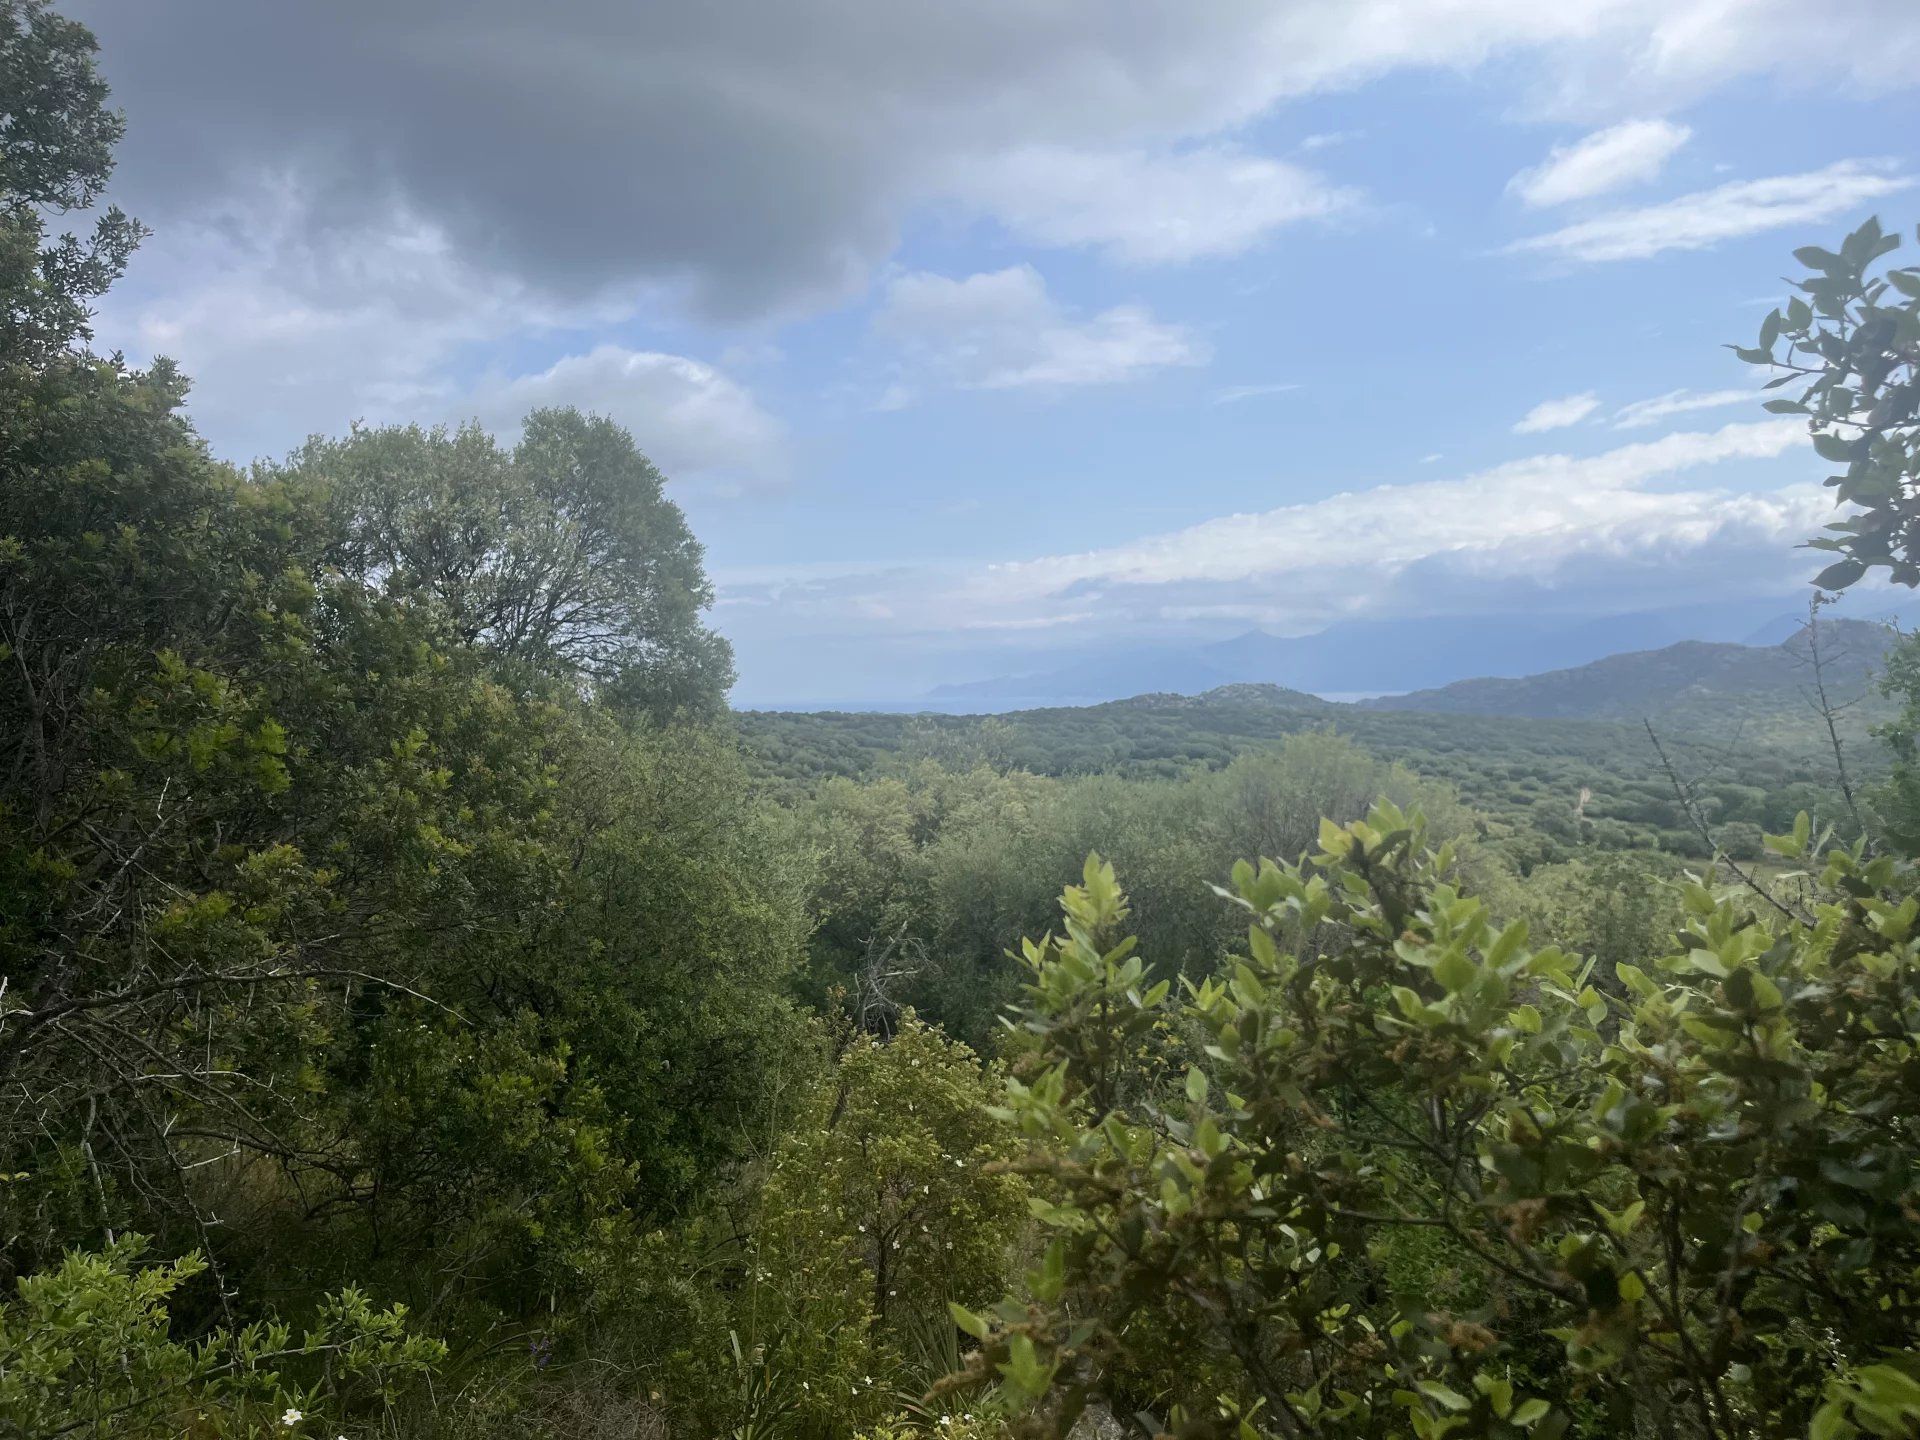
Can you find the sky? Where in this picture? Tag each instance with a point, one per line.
(974, 337)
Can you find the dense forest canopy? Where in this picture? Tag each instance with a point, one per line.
(425, 1011)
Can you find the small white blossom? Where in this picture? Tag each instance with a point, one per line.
(292, 1417)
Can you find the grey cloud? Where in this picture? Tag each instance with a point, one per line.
(760, 154)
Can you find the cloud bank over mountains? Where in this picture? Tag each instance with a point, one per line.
(1549, 531)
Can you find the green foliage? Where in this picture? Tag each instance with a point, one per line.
(1695, 687)
(563, 553)
(358, 903)
(887, 1200)
(1851, 341)
(57, 152)
(1616, 908)
(393, 935)
(1511, 771)
(928, 878)
(86, 1350)
(1686, 1196)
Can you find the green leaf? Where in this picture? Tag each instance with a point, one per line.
(974, 1325)
(1196, 1086)
(1529, 1413)
(1840, 574)
(1508, 944)
(1444, 1395)
(1832, 447)
(1830, 1422)
(1455, 971)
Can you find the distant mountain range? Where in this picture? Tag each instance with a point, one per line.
(1431, 658)
(1692, 685)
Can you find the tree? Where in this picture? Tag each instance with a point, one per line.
(85, 1349)
(342, 921)
(56, 152)
(1423, 1178)
(885, 1200)
(1852, 339)
(562, 554)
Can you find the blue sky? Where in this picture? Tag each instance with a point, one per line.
(966, 333)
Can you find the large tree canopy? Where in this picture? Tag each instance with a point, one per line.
(563, 553)
(56, 152)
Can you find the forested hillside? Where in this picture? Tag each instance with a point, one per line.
(1540, 785)
(1770, 692)
(427, 1013)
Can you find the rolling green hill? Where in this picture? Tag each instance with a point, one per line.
(1760, 691)
(1551, 775)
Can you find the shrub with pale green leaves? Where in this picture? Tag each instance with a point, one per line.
(86, 1349)
(888, 1199)
(1683, 1202)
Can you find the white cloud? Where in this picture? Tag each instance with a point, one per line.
(1234, 394)
(1557, 414)
(275, 320)
(1147, 208)
(695, 422)
(1727, 212)
(286, 329)
(1625, 154)
(1678, 402)
(1001, 330)
(1556, 504)
(1546, 525)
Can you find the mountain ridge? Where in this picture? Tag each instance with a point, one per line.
(1375, 657)
(1692, 682)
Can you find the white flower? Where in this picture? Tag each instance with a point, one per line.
(291, 1417)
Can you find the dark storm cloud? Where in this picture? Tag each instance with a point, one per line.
(759, 151)
(763, 152)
